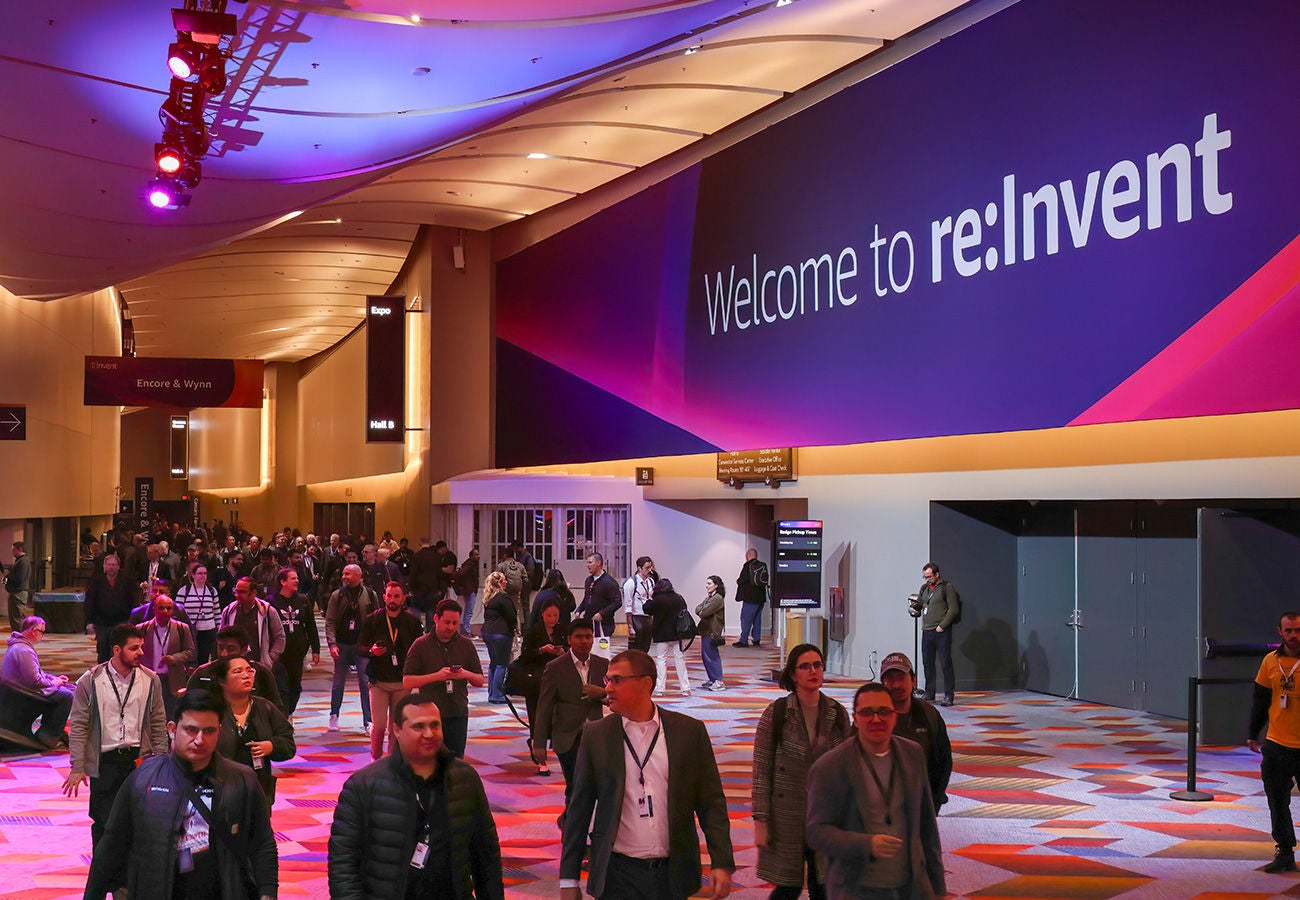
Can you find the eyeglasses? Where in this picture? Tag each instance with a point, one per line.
(811, 666)
(879, 712)
(616, 680)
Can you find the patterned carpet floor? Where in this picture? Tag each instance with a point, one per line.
(1051, 798)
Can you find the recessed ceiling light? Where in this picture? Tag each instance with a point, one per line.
(415, 17)
(539, 156)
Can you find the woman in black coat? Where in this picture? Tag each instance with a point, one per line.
(663, 607)
(554, 589)
(545, 641)
(253, 731)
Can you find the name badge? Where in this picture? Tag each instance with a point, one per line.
(645, 806)
(394, 658)
(420, 856)
(449, 684)
(352, 624)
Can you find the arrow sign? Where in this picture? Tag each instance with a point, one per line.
(13, 423)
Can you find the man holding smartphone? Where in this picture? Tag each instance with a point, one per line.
(442, 665)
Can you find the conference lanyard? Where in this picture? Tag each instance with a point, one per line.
(887, 794)
(121, 702)
(392, 635)
(1288, 678)
(641, 763)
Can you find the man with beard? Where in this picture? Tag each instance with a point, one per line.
(297, 615)
(386, 636)
(918, 720)
(348, 606)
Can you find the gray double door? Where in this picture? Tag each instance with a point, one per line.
(1137, 596)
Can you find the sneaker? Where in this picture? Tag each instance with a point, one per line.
(369, 726)
(1283, 861)
(741, 644)
(334, 723)
(716, 685)
(686, 692)
(946, 701)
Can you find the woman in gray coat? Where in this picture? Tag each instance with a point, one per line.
(792, 734)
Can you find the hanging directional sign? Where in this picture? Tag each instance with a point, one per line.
(13, 423)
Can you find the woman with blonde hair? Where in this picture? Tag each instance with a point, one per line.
(500, 621)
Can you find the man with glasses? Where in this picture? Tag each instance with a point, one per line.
(647, 774)
(918, 720)
(21, 670)
(870, 810)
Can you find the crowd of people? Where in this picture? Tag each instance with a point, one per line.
(199, 675)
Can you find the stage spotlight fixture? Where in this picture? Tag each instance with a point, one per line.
(183, 58)
(212, 73)
(163, 193)
(169, 158)
(207, 26)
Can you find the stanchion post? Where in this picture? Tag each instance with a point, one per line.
(1191, 794)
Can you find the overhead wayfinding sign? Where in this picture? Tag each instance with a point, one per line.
(797, 575)
(13, 423)
(385, 370)
(177, 383)
(756, 466)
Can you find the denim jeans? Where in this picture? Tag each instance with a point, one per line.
(712, 659)
(751, 622)
(348, 656)
(498, 647)
(467, 601)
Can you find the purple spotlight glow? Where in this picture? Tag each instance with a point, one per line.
(162, 193)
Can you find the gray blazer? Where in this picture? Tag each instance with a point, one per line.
(694, 790)
(561, 708)
(84, 726)
(836, 819)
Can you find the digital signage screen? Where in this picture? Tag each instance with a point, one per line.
(797, 570)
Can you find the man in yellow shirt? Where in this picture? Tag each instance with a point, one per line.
(1277, 702)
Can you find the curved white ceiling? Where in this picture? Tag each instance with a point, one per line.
(370, 117)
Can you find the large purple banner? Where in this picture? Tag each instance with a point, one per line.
(1068, 213)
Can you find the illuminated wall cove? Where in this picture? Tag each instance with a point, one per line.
(1010, 230)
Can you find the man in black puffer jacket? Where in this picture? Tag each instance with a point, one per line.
(415, 823)
(190, 823)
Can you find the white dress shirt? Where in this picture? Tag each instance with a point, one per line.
(636, 591)
(639, 836)
(120, 726)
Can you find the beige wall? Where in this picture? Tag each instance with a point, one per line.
(225, 449)
(68, 466)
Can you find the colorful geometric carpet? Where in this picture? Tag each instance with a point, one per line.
(1050, 799)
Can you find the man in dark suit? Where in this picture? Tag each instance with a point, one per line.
(647, 774)
(572, 689)
(870, 810)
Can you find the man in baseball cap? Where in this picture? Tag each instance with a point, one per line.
(919, 721)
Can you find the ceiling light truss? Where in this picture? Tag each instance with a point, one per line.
(197, 63)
